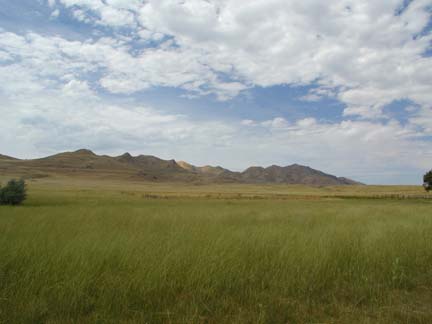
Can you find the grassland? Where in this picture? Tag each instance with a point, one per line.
(105, 252)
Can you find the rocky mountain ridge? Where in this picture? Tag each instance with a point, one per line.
(147, 167)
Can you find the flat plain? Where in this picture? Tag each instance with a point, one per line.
(94, 251)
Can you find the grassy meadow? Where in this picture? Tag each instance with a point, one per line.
(110, 253)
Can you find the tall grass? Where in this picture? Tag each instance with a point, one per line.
(86, 257)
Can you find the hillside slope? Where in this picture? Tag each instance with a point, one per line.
(5, 157)
(207, 169)
(146, 167)
(292, 174)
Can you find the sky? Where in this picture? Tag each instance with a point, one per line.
(341, 86)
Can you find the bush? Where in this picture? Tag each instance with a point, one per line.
(14, 193)
(427, 181)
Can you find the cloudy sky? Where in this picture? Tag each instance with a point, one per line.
(341, 86)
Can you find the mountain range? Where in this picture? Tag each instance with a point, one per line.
(150, 168)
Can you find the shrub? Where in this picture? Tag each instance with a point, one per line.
(427, 181)
(14, 193)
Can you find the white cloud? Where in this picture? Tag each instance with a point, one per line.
(275, 123)
(360, 149)
(360, 53)
(5, 56)
(55, 13)
(76, 88)
(307, 122)
(39, 120)
(123, 72)
(317, 94)
(43, 121)
(81, 15)
(248, 122)
(364, 50)
(372, 55)
(111, 13)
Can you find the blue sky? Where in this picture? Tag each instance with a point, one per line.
(341, 86)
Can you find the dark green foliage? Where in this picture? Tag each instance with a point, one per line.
(427, 181)
(14, 193)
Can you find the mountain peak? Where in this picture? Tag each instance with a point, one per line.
(125, 157)
(152, 168)
(292, 174)
(84, 152)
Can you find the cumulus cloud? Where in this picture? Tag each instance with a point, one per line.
(365, 54)
(372, 149)
(372, 55)
(120, 70)
(110, 13)
(55, 14)
(41, 121)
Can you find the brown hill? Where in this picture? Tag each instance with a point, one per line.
(5, 157)
(207, 169)
(146, 167)
(81, 159)
(149, 162)
(292, 174)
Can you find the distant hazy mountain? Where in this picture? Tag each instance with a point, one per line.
(147, 167)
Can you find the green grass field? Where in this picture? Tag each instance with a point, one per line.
(112, 253)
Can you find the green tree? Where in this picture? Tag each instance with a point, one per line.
(14, 193)
(427, 181)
